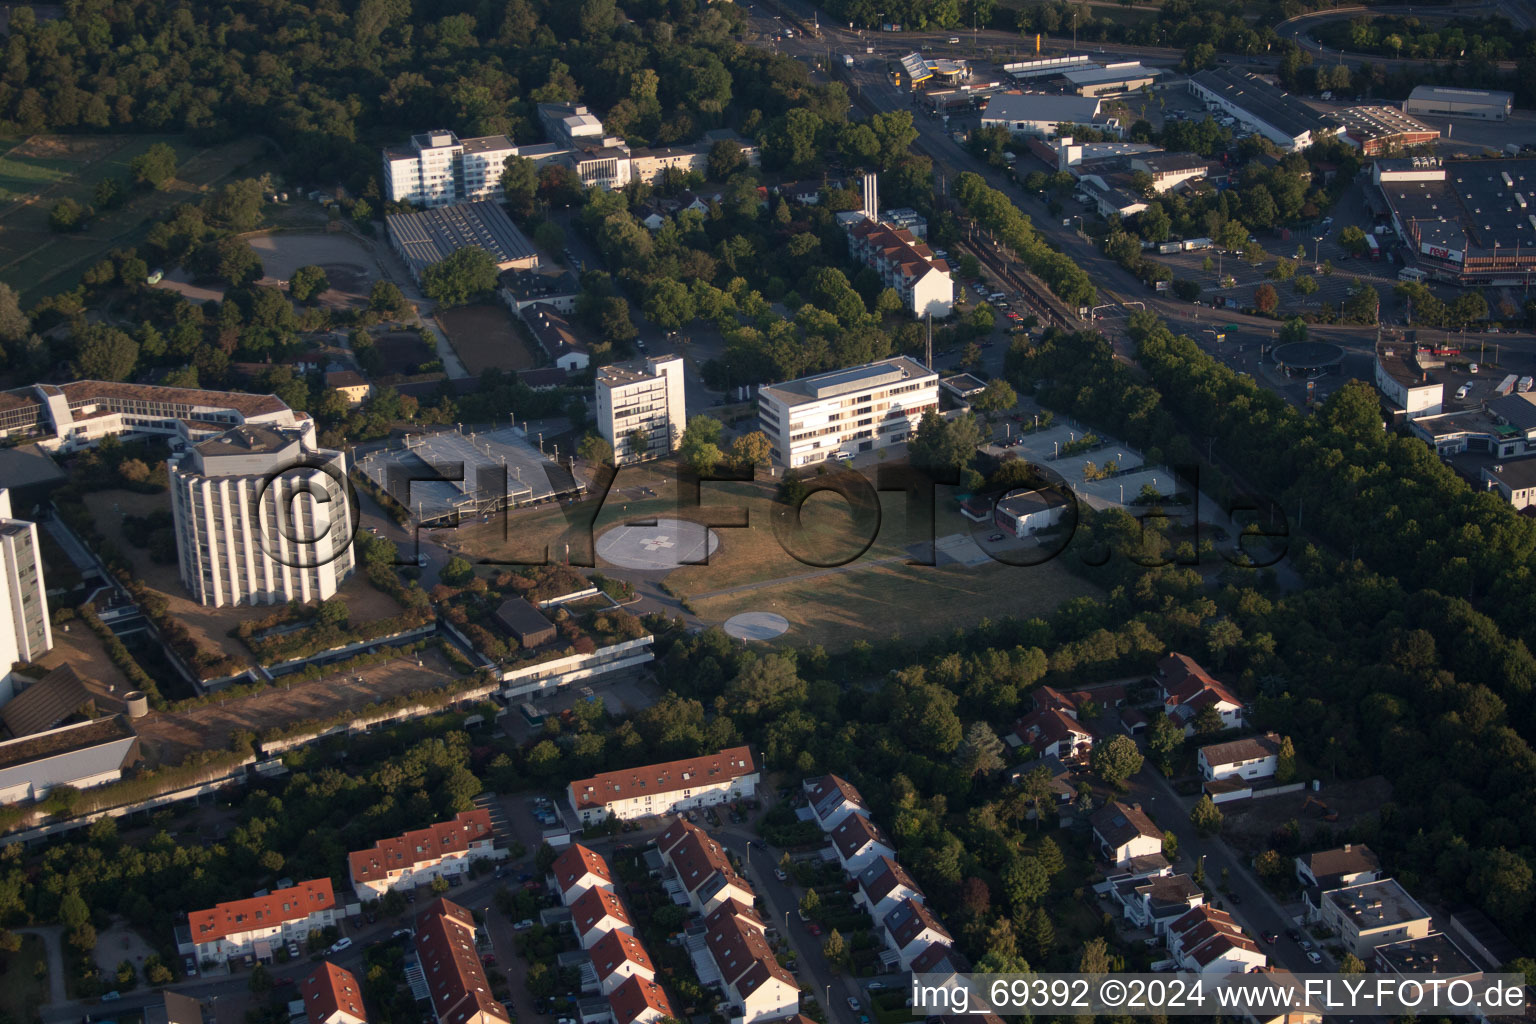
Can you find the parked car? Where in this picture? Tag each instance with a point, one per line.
(522, 925)
(1314, 958)
(781, 874)
(189, 966)
(854, 1004)
(111, 996)
(399, 932)
(1271, 937)
(1293, 934)
(1305, 945)
(813, 928)
(996, 537)
(1472, 368)
(1461, 392)
(340, 944)
(875, 986)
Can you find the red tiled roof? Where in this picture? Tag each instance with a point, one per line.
(696, 858)
(430, 843)
(1047, 726)
(631, 999)
(855, 833)
(574, 862)
(668, 777)
(293, 904)
(936, 955)
(445, 944)
(884, 876)
(594, 905)
(911, 919)
(1184, 680)
(737, 947)
(834, 788)
(331, 989)
(617, 948)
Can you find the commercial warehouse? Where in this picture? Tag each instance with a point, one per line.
(1277, 115)
(1381, 131)
(1468, 222)
(1032, 114)
(1443, 101)
(1112, 79)
(431, 236)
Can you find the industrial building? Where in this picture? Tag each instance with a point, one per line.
(859, 409)
(431, 236)
(1111, 79)
(1047, 67)
(1043, 114)
(1444, 101)
(262, 516)
(641, 401)
(1277, 115)
(80, 755)
(1383, 131)
(1468, 222)
(25, 632)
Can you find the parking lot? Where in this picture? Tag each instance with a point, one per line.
(1043, 448)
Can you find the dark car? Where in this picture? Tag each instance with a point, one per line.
(1293, 934)
(1234, 897)
(996, 537)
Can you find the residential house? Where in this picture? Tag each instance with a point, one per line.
(597, 912)
(667, 788)
(350, 384)
(939, 958)
(556, 286)
(256, 926)
(1062, 785)
(332, 996)
(174, 1008)
(639, 1001)
(1187, 689)
(1051, 732)
(756, 985)
(859, 841)
(1285, 982)
(617, 957)
(1124, 832)
(1023, 513)
(1372, 914)
(1209, 941)
(1350, 864)
(831, 799)
(911, 928)
(450, 965)
(1250, 758)
(420, 856)
(702, 867)
(905, 263)
(556, 335)
(1156, 902)
(1435, 954)
(883, 886)
(578, 869)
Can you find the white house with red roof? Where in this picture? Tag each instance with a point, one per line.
(639, 1001)
(702, 867)
(911, 928)
(617, 957)
(906, 264)
(1052, 732)
(578, 869)
(260, 924)
(858, 842)
(597, 912)
(450, 964)
(758, 987)
(1209, 941)
(1187, 689)
(883, 886)
(667, 788)
(332, 996)
(831, 799)
(1123, 833)
(420, 856)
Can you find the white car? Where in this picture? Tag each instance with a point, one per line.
(341, 944)
(1461, 392)
(1314, 958)
(1472, 368)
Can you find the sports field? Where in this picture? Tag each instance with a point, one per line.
(37, 172)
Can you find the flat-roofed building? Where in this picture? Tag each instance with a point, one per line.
(431, 236)
(422, 855)
(859, 409)
(1466, 222)
(257, 926)
(1280, 117)
(1043, 114)
(1024, 513)
(666, 788)
(1408, 387)
(1445, 101)
(641, 408)
(1168, 170)
(261, 516)
(79, 755)
(1111, 79)
(1383, 131)
(1373, 914)
(437, 168)
(1435, 954)
(26, 633)
(1514, 480)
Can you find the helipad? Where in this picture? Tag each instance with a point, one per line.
(756, 626)
(666, 544)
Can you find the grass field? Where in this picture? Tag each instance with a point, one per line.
(39, 171)
(24, 980)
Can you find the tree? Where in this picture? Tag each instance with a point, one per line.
(766, 685)
(834, 949)
(1294, 329)
(464, 276)
(307, 283)
(1207, 721)
(1170, 846)
(457, 572)
(725, 159)
(997, 396)
(700, 447)
(638, 443)
(1285, 764)
(519, 185)
(1116, 760)
(981, 752)
(68, 215)
(1352, 239)
(104, 353)
(1153, 223)
(1351, 964)
(752, 449)
(1164, 738)
(1095, 958)
(595, 449)
(1186, 289)
(14, 324)
(1050, 857)
(154, 167)
(1025, 881)
(668, 304)
(108, 194)
(1206, 817)
(261, 980)
(386, 299)
(944, 445)
(1041, 935)
(1272, 866)
(1304, 284)
(1265, 299)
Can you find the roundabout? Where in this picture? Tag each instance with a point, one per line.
(1307, 358)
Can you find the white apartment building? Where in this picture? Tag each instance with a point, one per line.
(641, 395)
(665, 788)
(859, 409)
(422, 855)
(438, 168)
(259, 925)
(262, 516)
(905, 263)
(25, 632)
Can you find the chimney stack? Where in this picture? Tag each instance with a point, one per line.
(871, 198)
